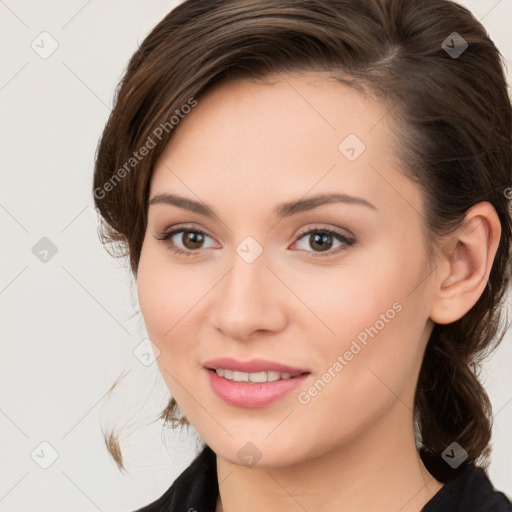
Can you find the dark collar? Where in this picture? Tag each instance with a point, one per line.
(470, 491)
(196, 489)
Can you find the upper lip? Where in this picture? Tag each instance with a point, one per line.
(252, 366)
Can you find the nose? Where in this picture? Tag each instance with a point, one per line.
(249, 300)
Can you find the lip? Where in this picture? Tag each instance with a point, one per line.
(252, 366)
(253, 394)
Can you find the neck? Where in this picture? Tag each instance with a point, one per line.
(379, 470)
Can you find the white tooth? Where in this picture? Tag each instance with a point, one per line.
(258, 377)
(240, 376)
(235, 376)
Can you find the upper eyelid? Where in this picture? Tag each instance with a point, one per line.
(178, 228)
(337, 231)
(188, 227)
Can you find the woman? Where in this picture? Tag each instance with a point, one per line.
(313, 198)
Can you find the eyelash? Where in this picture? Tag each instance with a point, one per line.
(347, 241)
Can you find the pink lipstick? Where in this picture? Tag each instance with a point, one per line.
(254, 383)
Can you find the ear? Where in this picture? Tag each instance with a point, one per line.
(464, 263)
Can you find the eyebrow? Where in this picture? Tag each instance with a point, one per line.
(282, 210)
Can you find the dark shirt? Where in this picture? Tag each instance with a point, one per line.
(196, 490)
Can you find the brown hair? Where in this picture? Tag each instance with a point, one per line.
(451, 116)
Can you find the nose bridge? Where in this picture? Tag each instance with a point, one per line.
(244, 303)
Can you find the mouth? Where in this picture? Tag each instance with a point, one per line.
(255, 370)
(257, 377)
(254, 383)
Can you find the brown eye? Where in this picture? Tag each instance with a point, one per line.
(191, 240)
(322, 241)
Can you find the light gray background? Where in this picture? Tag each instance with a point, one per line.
(68, 325)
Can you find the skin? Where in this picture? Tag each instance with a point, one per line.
(244, 149)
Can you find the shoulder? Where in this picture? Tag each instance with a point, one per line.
(196, 488)
(470, 491)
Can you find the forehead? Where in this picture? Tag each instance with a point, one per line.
(306, 104)
(289, 133)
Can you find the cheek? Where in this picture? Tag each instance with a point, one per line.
(151, 289)
(343, 302)
(163, 299)
(172, 301)
(165, 295)
(368, 371)
(374, 316)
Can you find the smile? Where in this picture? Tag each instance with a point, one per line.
(270, 376)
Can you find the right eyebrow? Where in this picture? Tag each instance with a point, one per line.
(183, 202)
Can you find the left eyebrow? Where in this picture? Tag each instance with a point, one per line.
(293, 207)
(282, 210)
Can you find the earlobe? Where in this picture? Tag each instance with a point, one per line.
(464, 264)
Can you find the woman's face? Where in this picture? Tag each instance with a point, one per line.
(346, 306)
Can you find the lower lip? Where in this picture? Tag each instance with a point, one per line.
(253, 394)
